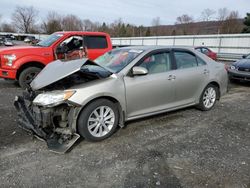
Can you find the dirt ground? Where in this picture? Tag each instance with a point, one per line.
(185, 148)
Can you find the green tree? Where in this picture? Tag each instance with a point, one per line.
(246, 22)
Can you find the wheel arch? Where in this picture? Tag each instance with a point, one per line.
(29, 64)
(112, 99)
(215, 83)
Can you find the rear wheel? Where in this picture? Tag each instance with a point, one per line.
(98, 120)
(27, 75)
(208, 97)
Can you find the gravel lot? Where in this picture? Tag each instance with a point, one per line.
(185, 148)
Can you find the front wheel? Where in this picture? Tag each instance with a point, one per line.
(98, 120)
(208, 98)
(27, 75)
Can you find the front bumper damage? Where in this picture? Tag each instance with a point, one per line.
(54, 125)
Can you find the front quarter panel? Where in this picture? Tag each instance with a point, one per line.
(112, 86)
(34, 58)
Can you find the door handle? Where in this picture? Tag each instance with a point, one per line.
(171, 77)
(206, 71)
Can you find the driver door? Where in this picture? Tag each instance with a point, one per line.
(153, 92)
(70, 49)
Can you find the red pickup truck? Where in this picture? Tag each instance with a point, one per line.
(23, 63)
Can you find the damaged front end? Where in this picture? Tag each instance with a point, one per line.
(44, 109)
(55, 125)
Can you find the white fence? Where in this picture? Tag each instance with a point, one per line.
(228, 46)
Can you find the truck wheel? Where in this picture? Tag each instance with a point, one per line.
(27, 75)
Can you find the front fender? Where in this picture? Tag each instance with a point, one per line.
(87, 100)
(78, 109)
(25, 59)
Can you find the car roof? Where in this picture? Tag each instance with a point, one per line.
(82, 33)
(158, 47)
(201, 47)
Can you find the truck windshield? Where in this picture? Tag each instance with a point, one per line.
(50, 40)
(117, 59)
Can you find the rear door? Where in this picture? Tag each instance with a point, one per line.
(152, 92)
(192, 75)
(96, 45)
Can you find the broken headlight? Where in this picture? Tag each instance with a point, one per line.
(51, 99)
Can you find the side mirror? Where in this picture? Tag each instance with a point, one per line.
(139, 71)
(244, 56)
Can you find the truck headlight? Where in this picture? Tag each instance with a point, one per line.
(54, 98)
(10, 59)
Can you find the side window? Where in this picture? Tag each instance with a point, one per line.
(185, 60)
(71, 48)
(199, 50)
(205, 50)
(201, 62)
(72, 43)
(157, 63)
(96, 42)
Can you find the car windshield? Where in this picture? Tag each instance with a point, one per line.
(117, 59)
(50, 40)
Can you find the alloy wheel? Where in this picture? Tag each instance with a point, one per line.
(209, 97)
(101, 121)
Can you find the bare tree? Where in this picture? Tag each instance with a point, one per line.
(5, 27)
(232, 24)
(207, 14)
(115, 27)
(52, 23)
(185, 21)
(229, 21)
(71, 23)
(88, 25)
(222, 14)
(156, 22)
(0, 22)
(24, 18)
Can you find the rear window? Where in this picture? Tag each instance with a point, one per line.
(96, 42)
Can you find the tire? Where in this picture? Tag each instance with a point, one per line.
(27, 75)
(210, 101)
(93, 128)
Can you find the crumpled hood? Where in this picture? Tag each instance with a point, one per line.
(244, 63)
(56, 71)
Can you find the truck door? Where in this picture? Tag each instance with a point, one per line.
(71, 48)
(96, 45)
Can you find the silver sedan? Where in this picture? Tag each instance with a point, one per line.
(91, 99)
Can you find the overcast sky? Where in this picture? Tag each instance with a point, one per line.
(139, 12)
